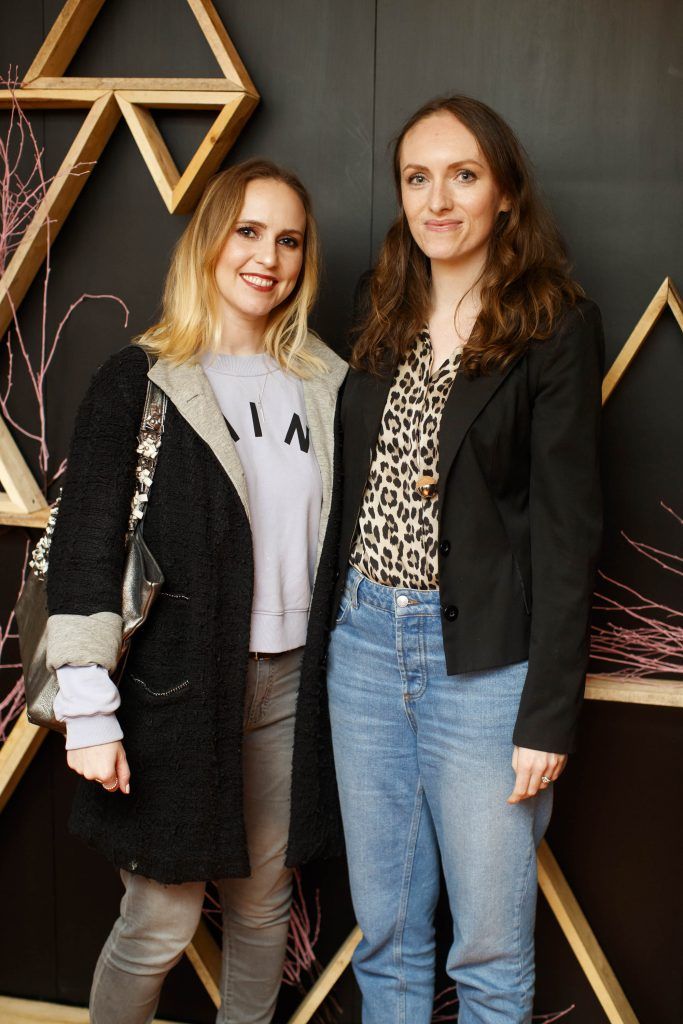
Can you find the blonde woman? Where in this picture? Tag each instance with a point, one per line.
(211, 760)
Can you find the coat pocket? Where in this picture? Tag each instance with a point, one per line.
(526, 590)
(159, 667)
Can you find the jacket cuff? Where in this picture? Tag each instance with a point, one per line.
(84, 640)
(91, 730)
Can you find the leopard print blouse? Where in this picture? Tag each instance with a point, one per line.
(397, 533)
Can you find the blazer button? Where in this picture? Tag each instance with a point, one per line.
(450, 612)
(445, 547)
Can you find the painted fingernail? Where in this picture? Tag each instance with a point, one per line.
(127, 789)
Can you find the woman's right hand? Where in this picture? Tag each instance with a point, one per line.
(104, 763)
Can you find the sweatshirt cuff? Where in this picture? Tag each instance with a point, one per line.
(91, 730)
(84, 640)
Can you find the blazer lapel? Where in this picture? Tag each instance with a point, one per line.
(375, 394)
(467, 398)
(189, 390)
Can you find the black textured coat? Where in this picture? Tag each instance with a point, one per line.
(183, 689)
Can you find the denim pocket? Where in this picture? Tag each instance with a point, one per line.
(343, 609)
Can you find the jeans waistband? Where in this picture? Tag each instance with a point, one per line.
(395, 600)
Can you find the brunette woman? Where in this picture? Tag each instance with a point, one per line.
(211, 761)
(470, 529)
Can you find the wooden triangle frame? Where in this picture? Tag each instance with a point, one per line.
(234, 94)
(106, 101)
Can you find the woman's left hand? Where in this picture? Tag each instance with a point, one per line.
(533, 768)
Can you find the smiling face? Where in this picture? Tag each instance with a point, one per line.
(450, 198)
(262, 257)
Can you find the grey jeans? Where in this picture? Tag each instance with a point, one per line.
(157, 921)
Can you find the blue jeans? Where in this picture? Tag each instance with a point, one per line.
(423, 762)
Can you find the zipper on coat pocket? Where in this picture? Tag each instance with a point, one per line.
(161, 693)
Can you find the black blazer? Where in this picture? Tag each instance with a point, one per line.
(520, 516)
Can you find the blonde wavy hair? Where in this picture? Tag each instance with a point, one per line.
(190, 322)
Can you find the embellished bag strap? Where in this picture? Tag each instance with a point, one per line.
(149, 443)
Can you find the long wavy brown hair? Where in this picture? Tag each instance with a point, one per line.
(525, 285)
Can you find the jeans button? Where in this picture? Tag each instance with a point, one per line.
(402, 601)
(450, 612)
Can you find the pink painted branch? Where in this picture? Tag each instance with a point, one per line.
(651, 643)
(442, 1004)
(301, 940)
(17, 426)
(640, 597)
(552, 1017)
(21, 195)
(11, 707)
(671, 512)
(23, 348)
(649, 552)
(61, 470)
(63, 321)
(10, 367)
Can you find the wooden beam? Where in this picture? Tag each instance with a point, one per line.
(22, 492)
(30, 1011)
(37, 99)
(675, 303)
(211, 152)
(205, 956)
(61, 195)
(16, 754)
(583, 942)
(192, 99)
(660, 692)
(28, 520)
(636, 339)
(328, 979)
(153, 149)
(64, 38)
(105, 84)
(221, 45)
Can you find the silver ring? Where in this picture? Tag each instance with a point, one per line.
(544, 778)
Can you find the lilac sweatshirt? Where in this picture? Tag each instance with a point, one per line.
(265, 411)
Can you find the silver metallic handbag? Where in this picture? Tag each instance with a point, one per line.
(142, 577)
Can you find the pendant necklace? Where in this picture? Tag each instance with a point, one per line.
(259, 400)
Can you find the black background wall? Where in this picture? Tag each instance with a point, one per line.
(594, 90)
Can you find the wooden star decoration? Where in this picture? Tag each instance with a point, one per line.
(107, 99)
